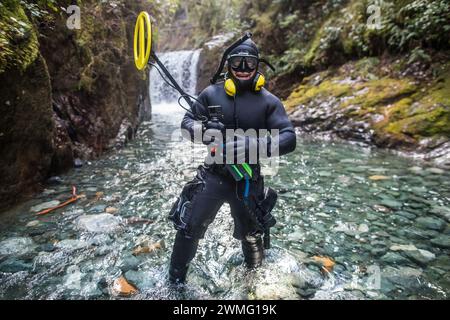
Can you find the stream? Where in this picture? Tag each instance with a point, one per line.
(380, 218)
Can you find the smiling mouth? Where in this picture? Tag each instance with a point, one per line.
(243, 75)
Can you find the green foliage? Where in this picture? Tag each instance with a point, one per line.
(419, 55)
(419, 23)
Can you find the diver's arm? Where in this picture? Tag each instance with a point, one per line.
(190, 125)
(285, 141)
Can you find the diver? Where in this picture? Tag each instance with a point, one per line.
(245, 104)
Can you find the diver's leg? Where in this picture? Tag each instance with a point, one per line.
(247, 230)
(252, 247)
(184, 250)
(205, 204)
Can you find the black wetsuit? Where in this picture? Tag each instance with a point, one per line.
(213, 186)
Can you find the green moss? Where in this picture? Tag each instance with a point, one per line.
(436, 121)
(314, 47)
(425, 114)
(307, 92)
(19, 45)
(380, 92)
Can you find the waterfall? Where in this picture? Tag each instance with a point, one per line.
(182, 65)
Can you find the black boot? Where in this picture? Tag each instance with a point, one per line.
(252, 247)
(184, 250)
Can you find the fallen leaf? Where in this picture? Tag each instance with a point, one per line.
(378, 178)
(148, 248)
(98, 195)
(121, 287)
(111, 210)
(326, 262)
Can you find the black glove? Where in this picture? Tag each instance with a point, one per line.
(245, 149)
(211, 130)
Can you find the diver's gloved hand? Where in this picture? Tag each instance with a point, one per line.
(246, 149)
(212, 130)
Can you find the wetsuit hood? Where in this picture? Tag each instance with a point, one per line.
(248, 47)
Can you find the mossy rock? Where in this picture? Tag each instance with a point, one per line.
(19, 45)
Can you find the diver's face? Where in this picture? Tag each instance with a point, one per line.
(243, 65)
(243, 75)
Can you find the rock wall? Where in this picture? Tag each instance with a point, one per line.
(66, 94)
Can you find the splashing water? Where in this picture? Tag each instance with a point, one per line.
(381, 218)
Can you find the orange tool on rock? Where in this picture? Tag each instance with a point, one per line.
(74, 198)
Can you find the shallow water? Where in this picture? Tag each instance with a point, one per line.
(375, 231)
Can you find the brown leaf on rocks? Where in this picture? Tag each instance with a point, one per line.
(98, 195)
(378, 178)
(326, 262)
(111, 210)
(148, 247)
(121, 287)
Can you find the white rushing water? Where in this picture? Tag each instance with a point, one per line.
(182, 65)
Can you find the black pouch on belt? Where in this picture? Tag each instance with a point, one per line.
(181, 211)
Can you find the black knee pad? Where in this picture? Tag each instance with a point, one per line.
(184, 250)
(252, 247)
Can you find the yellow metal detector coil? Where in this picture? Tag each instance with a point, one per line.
(142, 44)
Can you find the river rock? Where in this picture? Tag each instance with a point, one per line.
(54, 180)
(431, 223)
(100, 239)
(381, 208)
(129, 262)
(144, 280)
(47, 247)
(391, 203)
(442, 241)
(77, 163)
(394, 258)
(441, 211)
(435, 170)
(363, 228)
(402, 247)
(306, 293)
(99, 223)
(422, 257)
(442, 262)
(45, 205)
(404, 276)
(17, 246)
(33, 223)
(377, 251)
(296, 236)
(273, 291)
(12, 265)
(406, 214)
(71, 244)
(98, 208)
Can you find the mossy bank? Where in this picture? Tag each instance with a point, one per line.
(368, 101)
